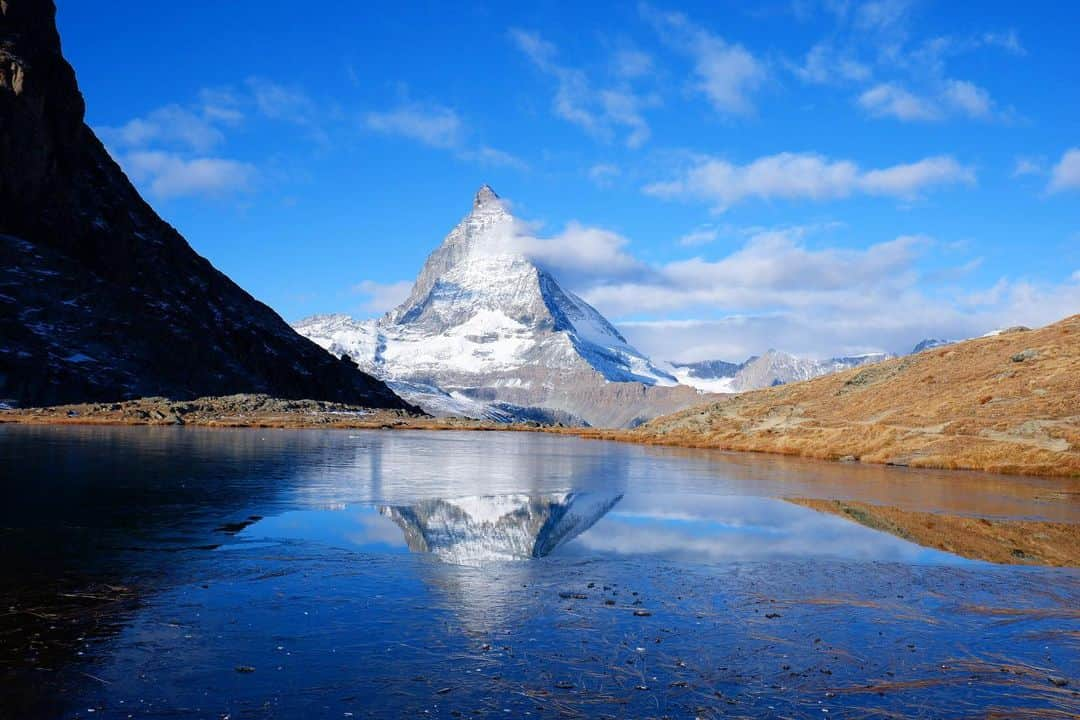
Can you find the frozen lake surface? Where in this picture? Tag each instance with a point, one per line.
(176, 572)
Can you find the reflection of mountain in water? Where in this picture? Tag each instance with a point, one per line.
(481, 529)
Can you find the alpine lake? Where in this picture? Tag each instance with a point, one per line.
(204, 573)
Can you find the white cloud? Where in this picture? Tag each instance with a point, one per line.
(439, 127)
(772, 269)
(906, 181)
(699, 236)
(168, 175)
(598, 112)
(493, 157)
(433, 125)
(1027, 166)
(171, 125)
(952, 98)
(624, 108)
(382, 297)
(1008, 40)
(823, 64)
(866, 318)
(1066, 173)
(632, 63)
(968, 98)
(888, 99)
(221, 105)
(578, 252)
(167, 151)
(882, 15)
(805, 176)
(603, 173)
(889, 324)
(727, 74)
(281, 102)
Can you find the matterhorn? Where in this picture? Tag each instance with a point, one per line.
(488, 332)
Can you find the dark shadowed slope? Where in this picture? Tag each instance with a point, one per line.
(100, 299)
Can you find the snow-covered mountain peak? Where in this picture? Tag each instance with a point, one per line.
(483, 321)
(485, 196)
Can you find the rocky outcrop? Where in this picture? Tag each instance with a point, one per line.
(100, 299)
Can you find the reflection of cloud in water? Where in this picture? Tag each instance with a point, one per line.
(477, 530)
(701, 528)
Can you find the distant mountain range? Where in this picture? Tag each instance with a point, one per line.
(771, 368)
(100, 299)
(775, 368)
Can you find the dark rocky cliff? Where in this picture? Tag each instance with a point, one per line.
(100, 299)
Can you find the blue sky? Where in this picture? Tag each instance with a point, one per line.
(820, 177)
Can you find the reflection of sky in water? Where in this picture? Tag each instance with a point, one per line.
(724, 528)
(685, 528)
(353, 527)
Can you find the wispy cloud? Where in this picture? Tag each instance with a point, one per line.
(169, 125)
(955, 97)
(494, 157)
(877, 41)
(888, 99)
(630, 63)
(727, 74)
(166, 151)
(806, 176)
(439, 127)
(699, 236)
(381, 297)
(602, 174)
(167, 174)
(432, 125)
(176, 150)
(1027, 166)
(599, 111)
(1065, 175)
(824, 64)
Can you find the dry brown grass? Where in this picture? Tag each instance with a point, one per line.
(1012, 542)
(1008, 404)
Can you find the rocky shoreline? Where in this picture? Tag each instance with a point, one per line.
(238, 411)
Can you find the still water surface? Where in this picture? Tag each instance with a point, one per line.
(177, 572)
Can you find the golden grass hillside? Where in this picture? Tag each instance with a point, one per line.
(1008, 403)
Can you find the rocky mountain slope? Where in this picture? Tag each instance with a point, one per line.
(484, 323)
(1008, 402)
(100, 299)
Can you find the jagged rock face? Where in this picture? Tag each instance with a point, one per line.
(485, 322)
(100, 299)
